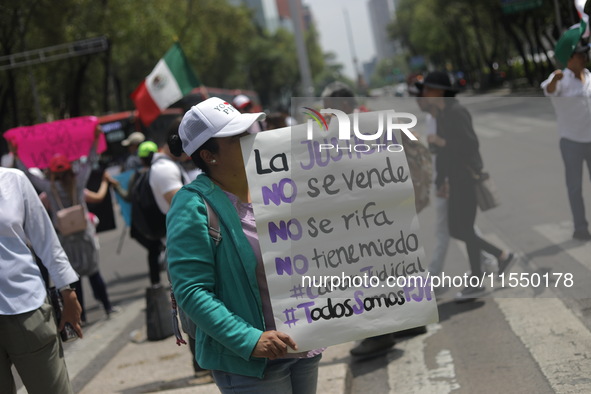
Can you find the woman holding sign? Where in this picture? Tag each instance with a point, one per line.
(66, 195)
(222, 286)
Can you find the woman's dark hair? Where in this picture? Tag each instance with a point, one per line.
(175, 145)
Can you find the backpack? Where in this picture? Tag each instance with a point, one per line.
(188, 326)
(420, 165)
(146, 217)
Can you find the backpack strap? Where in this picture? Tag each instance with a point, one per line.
(213, 224)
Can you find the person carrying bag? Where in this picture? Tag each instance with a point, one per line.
(72, 219)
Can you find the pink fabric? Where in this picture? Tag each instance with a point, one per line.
(72, 138)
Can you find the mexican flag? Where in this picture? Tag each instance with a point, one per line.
(169, 81)
(580, 6)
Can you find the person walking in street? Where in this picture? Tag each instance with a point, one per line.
(66, 189)
(488, 262)
(570, 91)
(29, 336)
(458, 162)
(223, 288)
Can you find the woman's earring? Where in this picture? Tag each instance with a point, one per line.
(213, 161)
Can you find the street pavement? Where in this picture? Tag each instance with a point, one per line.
(525, 339)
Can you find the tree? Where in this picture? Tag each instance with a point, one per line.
(478, 37)
(221, 41)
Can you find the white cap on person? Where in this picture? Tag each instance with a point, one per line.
(213, 118)
(134, 138)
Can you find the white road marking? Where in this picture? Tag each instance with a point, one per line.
(412, 370)
(561, 233)
(557, 340)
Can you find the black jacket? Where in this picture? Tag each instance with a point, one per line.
(460, 156)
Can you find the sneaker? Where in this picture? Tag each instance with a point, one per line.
(373, 347)
(470, 294)
(582, 235)
(505, 264)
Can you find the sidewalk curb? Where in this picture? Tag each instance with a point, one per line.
(86, 357)
(107, 360)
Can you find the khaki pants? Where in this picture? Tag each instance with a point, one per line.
(30, 341)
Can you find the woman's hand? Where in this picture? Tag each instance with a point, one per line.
(108, 178)
(273, 344)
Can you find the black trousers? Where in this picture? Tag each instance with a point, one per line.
(154, 247)
(462, 208)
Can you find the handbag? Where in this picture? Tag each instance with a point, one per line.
(486, 192)
(69, 220)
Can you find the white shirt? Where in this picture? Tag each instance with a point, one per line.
(23, 218)
(165, 175)
(572, 103)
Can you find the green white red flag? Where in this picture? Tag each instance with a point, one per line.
(169, 81)
(580, 6)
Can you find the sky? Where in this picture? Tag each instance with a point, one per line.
(330, 21)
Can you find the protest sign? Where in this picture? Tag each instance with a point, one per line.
(70, 137)
(338, 232)
(125, 206)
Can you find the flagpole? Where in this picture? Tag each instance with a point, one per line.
(558, 19)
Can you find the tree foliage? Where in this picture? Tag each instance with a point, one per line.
(479, 38)
(222, 43)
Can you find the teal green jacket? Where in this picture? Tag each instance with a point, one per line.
(215, 286)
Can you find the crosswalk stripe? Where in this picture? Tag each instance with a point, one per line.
(561, 233)
(414, 372)
(557, 340)
(488, 125)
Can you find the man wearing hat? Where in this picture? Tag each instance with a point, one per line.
(457, 163)
(573, 118)
(488, 263)
(132, 142)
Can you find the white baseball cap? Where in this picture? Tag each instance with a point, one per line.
(134, 138)
(213, 118)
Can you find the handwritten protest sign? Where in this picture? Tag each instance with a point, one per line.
(39, 143)
(339, 234)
